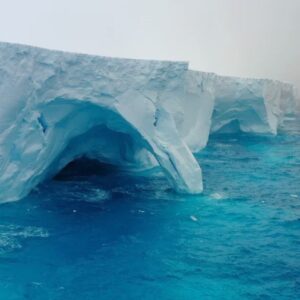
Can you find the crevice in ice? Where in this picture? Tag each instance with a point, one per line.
(43, 123)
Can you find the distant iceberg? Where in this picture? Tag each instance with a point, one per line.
(56, 107)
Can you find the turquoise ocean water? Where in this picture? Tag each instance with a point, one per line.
(109, 235)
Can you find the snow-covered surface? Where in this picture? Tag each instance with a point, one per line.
(135, 114)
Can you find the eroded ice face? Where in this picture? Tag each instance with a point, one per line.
(135, 114)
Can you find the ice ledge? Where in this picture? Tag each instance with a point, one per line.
(57, 106)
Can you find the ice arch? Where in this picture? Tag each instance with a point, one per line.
(60, 130)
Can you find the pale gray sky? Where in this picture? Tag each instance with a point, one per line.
(252, 38)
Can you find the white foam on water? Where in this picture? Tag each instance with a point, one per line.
(218, 196)
(12, 236)
(193, 218)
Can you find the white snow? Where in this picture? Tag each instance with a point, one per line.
(57, 106)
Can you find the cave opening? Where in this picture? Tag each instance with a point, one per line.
(85, 167)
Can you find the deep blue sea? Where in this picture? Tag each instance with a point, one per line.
(110, 235)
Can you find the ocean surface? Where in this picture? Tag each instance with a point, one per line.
(92, 234)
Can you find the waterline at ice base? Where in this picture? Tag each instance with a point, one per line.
(134, 115)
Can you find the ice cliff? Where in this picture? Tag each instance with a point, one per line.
(56, 107)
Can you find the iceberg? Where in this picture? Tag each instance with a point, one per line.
(56, 107)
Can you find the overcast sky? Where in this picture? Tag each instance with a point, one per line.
(252, 38)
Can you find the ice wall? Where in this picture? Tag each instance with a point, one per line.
(256, 105)
(135, 114)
